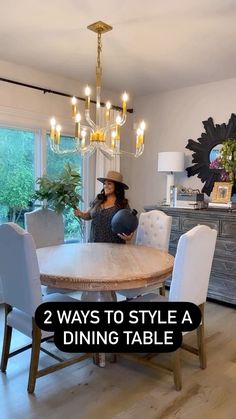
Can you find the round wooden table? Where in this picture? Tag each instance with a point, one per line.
(99, 269)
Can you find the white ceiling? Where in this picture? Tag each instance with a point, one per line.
(155, 45)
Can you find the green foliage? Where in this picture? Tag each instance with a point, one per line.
(60, 193)
(74, 227)
(228, 157)
(16, 170)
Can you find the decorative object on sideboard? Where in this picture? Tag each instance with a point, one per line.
(170, 162)
(226, 160)
(190, 198)
(221, 196)
(206, 149)
(221, 192)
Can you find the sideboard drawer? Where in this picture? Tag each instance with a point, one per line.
(224, 267)
(174, 238)
(219, 286)
(228, 229)
(175, 223)
(225, 249)
(188, 223)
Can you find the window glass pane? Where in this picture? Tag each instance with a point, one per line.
(55, 165)
(16, 173)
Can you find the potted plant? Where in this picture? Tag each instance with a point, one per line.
(62, 193)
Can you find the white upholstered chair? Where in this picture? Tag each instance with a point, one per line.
(190, 279)
(154, 231)
(46, 226)
(47, 229)
(20, 277)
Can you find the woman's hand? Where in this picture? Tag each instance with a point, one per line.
(77, 212)
(80, 214)
(126, 237)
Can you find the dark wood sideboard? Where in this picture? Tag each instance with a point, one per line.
(222, 286)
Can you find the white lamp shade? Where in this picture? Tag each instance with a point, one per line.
(171, 161)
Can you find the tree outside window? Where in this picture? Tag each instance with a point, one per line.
(16, 173)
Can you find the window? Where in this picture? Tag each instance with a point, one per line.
(55, 165)
(17, 173)
(20, 160)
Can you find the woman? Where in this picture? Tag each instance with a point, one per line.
(107, 203)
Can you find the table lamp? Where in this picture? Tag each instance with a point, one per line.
(170, 162)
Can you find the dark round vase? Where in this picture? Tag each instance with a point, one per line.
(124, 221)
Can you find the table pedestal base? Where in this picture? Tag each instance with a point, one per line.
(98, 296)
(99, 359)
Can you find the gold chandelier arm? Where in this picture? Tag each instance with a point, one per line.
(123, 120)
(56, 149)
(89, 120)
(110, 152)
(136, 154)
(79, 148)
(88, 150)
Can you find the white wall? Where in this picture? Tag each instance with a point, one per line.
(173, 118)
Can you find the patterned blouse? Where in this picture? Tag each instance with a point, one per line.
(101, 231)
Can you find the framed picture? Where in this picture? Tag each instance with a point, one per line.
(221, 192)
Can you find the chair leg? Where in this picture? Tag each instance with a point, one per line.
(113, 358)
(6, 340)
(175, 358)
(201, 340)
(163, 290)
(36, 340)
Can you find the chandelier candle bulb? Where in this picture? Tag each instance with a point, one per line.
(74, 110)
(139, 139)
(124, 103)
(118, 121)
(58, 134)
(108, 109)
(77, 125)
(117, 132)
(143, 126)
(87, 99)
(83, 135)
(113, 140)
(53, 125)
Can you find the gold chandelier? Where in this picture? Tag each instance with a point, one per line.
(103, 134)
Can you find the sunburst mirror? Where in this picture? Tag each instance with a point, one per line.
(205, 150)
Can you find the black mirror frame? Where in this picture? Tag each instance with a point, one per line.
(213, 135)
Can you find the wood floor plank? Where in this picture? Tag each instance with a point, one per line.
(126, 390)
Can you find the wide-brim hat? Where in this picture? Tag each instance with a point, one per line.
(114, 177)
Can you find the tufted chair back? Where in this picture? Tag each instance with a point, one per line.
(154, 229)
(46, 227)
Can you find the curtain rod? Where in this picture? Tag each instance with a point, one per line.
(55, 92)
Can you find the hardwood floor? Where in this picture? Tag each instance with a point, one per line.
(127, 390)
